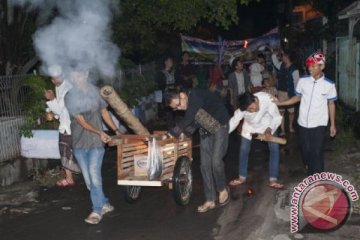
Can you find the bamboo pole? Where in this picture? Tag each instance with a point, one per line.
(109, 94)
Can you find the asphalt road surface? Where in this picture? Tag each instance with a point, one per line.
(59, 213)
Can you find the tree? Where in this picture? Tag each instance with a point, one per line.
(145, 27)
(16, 27)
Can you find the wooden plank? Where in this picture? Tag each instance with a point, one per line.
(167, 176)
(115, 140)
(140, 183)
(134, 148)
(128, 164)
(142, 151)
(170, 169)
(128, 159)
(119, 160)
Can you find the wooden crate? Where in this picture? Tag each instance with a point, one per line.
(129, 146)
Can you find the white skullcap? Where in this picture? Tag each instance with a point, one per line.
(55, 71)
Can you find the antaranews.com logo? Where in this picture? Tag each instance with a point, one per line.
(323, 201)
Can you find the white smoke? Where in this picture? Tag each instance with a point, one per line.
(78, 36)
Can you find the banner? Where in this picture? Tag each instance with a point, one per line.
(224, 51)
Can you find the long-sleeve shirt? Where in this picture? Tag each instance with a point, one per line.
(268, 116)
(199, 99)
(57, 106)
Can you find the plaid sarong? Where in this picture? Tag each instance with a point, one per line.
(66, 156)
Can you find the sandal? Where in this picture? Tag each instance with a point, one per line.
(223, 202)
(206, 207)
(236, 182)
(65, 183)
(276, 185)
(93, 218)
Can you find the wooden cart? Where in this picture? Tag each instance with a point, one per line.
(132, 152)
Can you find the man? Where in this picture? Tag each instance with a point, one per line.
(287, 78)
(57, 106)
(260, 115)
(166, 77)
(316, 94)
(256, 72)
(87, 110)
(185, 72)
(205, 110)
(166, 81)
(239, 82)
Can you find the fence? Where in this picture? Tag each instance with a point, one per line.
(11, 99)
(11, 96)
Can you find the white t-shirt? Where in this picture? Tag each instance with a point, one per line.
(315, 95)
(255, 74)
(268, 116)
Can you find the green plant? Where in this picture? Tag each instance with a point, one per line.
(135, 88)
(46, 177)
(34, 104)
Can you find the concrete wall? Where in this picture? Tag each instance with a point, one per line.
(12, 167)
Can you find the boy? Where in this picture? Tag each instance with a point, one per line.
(260, 115)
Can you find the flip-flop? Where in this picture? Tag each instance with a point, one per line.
(227, 200)
(93, 218)
(236, 182)
(205, 207)
(276, 185)
(64, 183)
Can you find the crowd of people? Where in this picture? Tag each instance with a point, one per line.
(251, 102)
(257, 97)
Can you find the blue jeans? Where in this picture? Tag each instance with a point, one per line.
(244, 158)
(90, 162)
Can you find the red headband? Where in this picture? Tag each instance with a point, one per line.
(315, 58)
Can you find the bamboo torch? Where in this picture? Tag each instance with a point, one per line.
(274, 139)
(110, 95)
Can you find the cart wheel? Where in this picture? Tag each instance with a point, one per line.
(132, 193)
(182, 181)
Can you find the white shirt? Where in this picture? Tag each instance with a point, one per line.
(240, 82)
(315, 95)
(57, 106)
(255, 74)
(268, 116)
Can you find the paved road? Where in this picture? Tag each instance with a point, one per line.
(59, 213)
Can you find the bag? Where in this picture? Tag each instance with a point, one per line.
(155, 160)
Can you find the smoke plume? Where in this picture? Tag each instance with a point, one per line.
(77, 37)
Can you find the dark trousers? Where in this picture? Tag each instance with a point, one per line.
(311, 142)
(212, 150)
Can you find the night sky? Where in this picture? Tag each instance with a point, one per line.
(254, 20)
